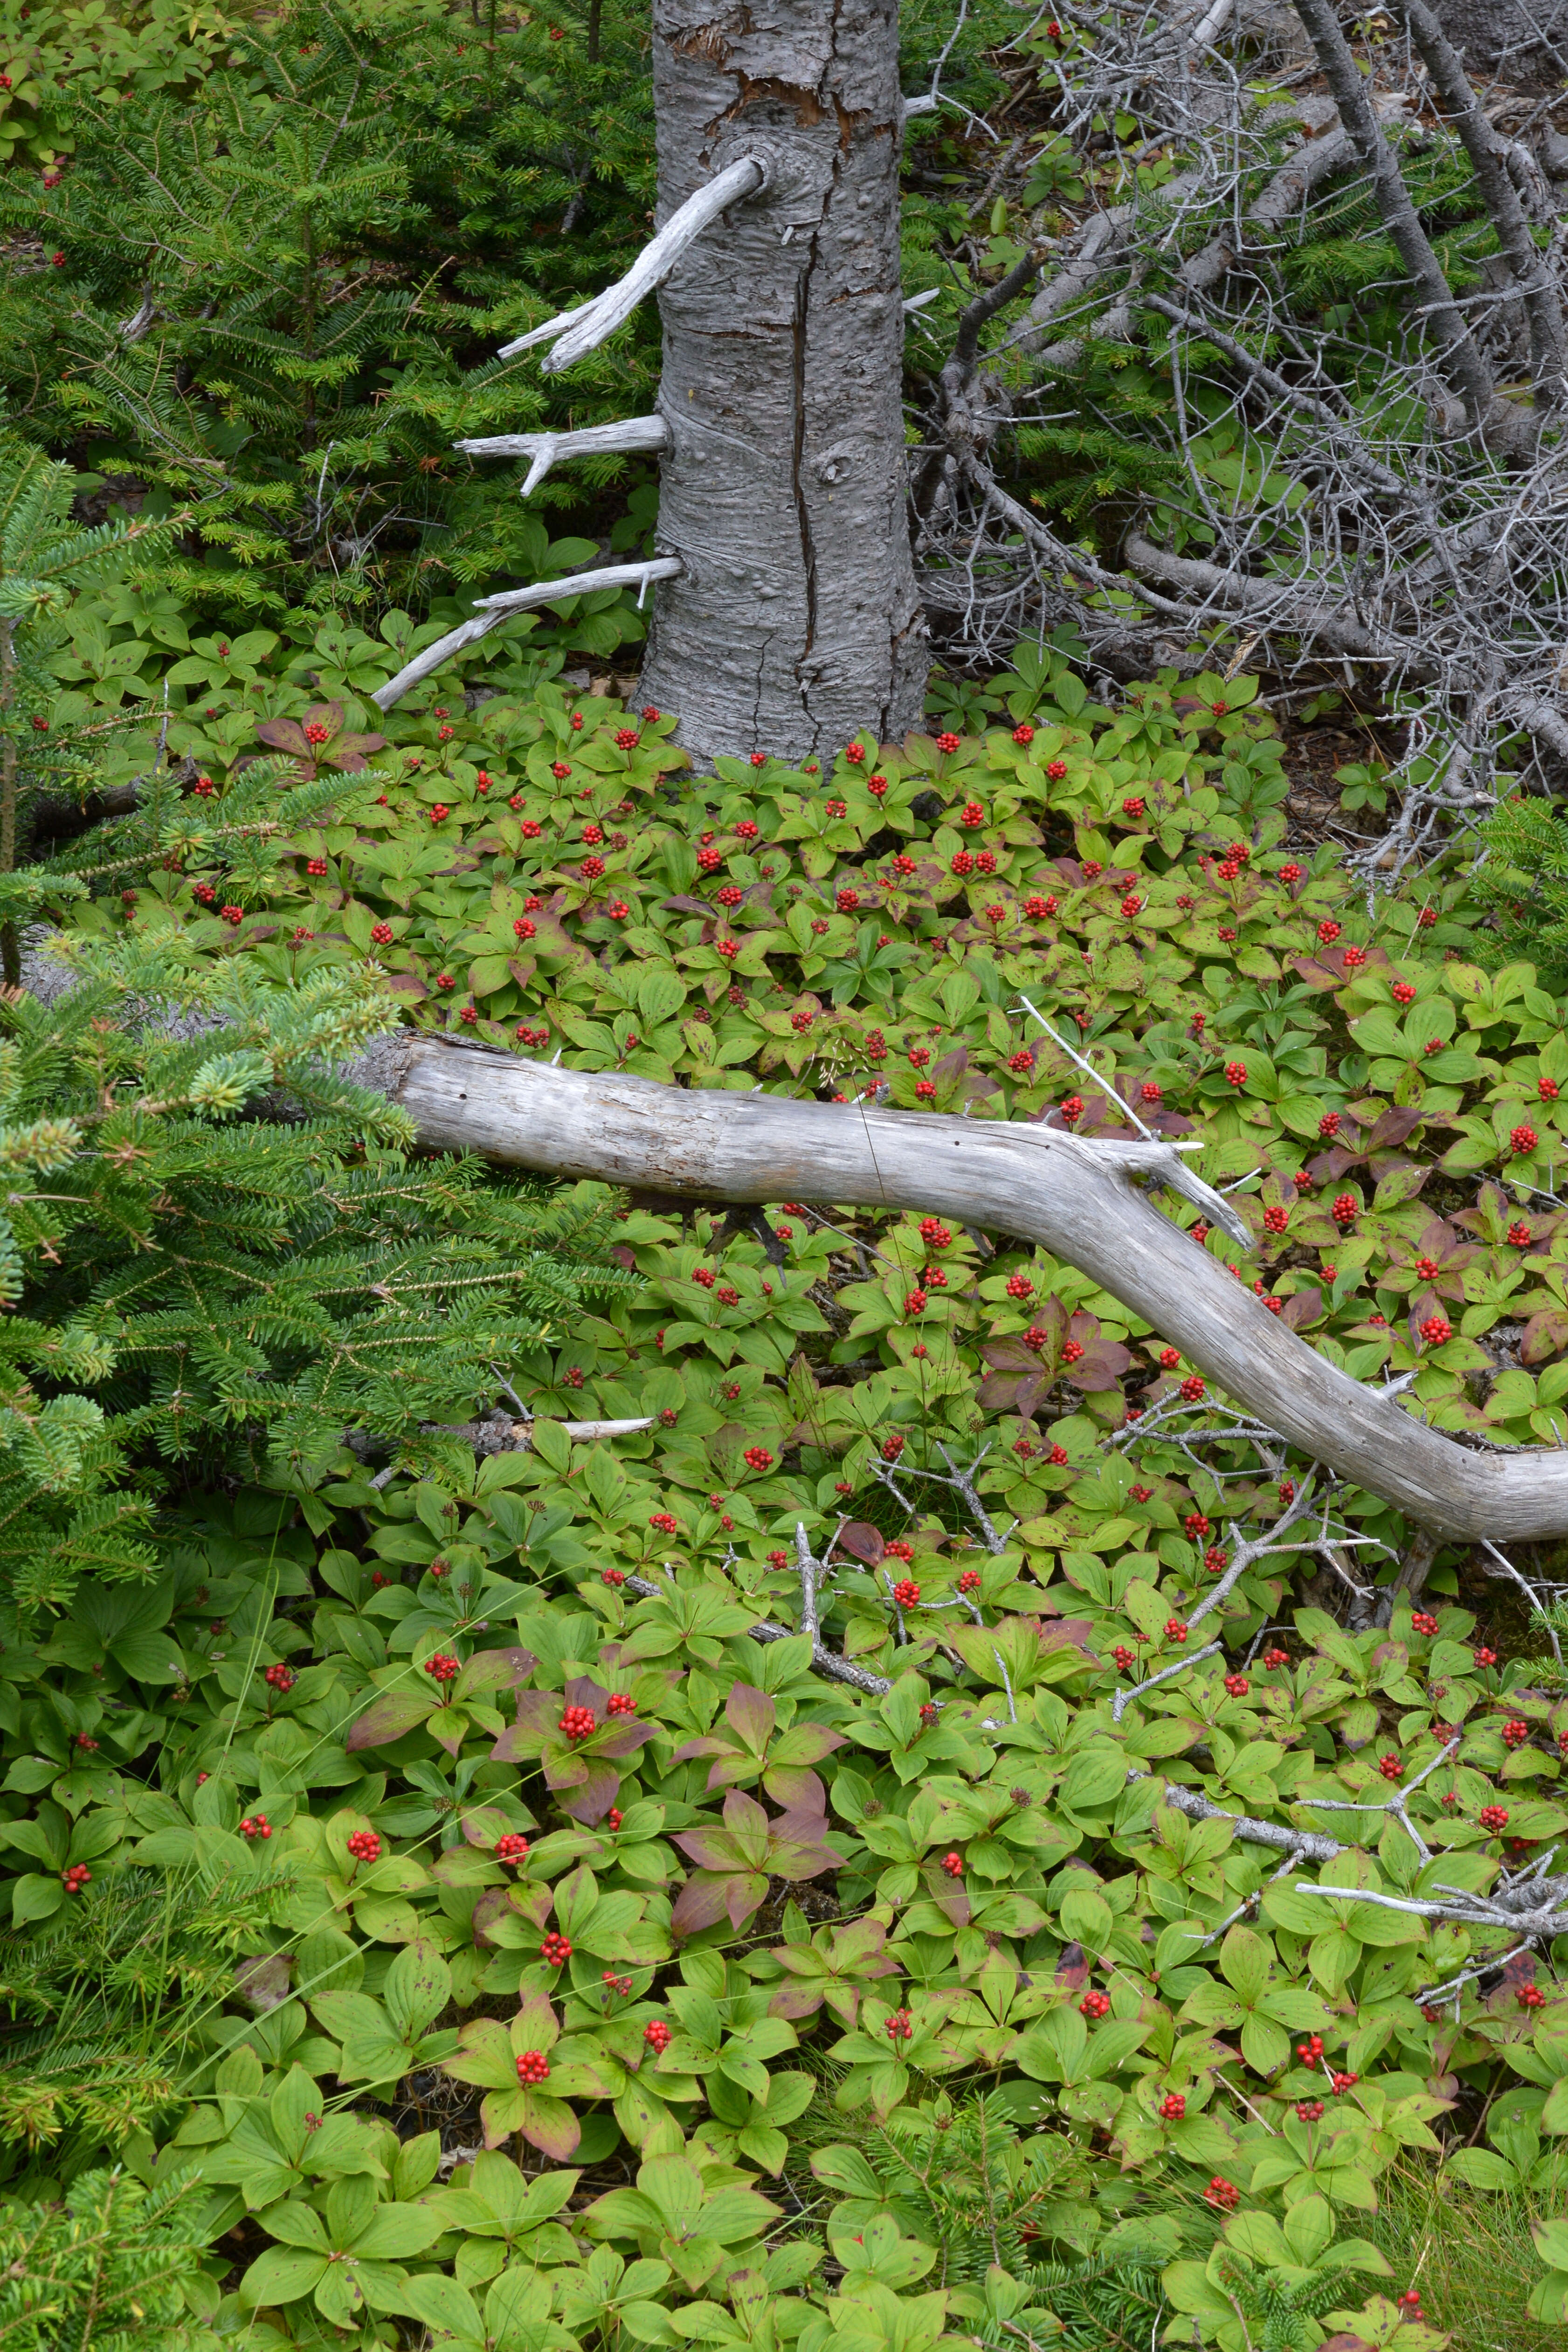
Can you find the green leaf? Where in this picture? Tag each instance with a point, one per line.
(282, 2275)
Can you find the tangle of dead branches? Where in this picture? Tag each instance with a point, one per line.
(1397, 515)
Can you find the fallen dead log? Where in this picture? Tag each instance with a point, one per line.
(1081, 1201)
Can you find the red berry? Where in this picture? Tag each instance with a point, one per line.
(1275, 1219)
(907, 1593)
(1547, 1089)
(757, 1457)
(1328, 933)
(1175, 1630)
(1493, 1818)
(1236, 1074)
(1522, 1142)
(1173, 2106)
(1125, 1659)
(511, 1848)
(556, 1950)
(1531, 1997)
(1238, 1686)
(532, 2066)
(1223, 2194)
(900, 2026)
(1391, 1767)
(443, 1667)
(1515, 1732)
(657, 2036)
(1436, 1329)
(1072, 1110)
(969, 1582)
(1192, 1391)
(365, 1846)
(1095, 2004)
(280, 1678)
(621, 1703)
(947, 742)
(1309, 2110)
(952, 1863)
(1275, 1658)
(1344, 1211)
(1483, 1657)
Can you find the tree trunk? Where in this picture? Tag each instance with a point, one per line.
(1518, 33)
(797, 624)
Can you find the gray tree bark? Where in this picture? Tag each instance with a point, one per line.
(796, 624)
(1516, 33)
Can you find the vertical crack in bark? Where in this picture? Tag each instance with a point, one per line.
(798, 465)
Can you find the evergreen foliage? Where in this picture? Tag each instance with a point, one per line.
(1523, 880)
(104, 2272)
(201, 1292)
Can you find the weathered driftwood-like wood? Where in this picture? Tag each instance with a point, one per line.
(1081, 1201)
(643, 435)
(490, 611)
(575, 333)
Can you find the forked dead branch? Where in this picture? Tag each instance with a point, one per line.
(1082, 1200)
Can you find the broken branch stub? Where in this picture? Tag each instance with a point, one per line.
(492, 611)
(1080, 1200)
(578, 332)
(629, 435)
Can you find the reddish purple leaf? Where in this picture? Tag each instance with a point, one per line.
(388, 1717)
(862, 1541)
